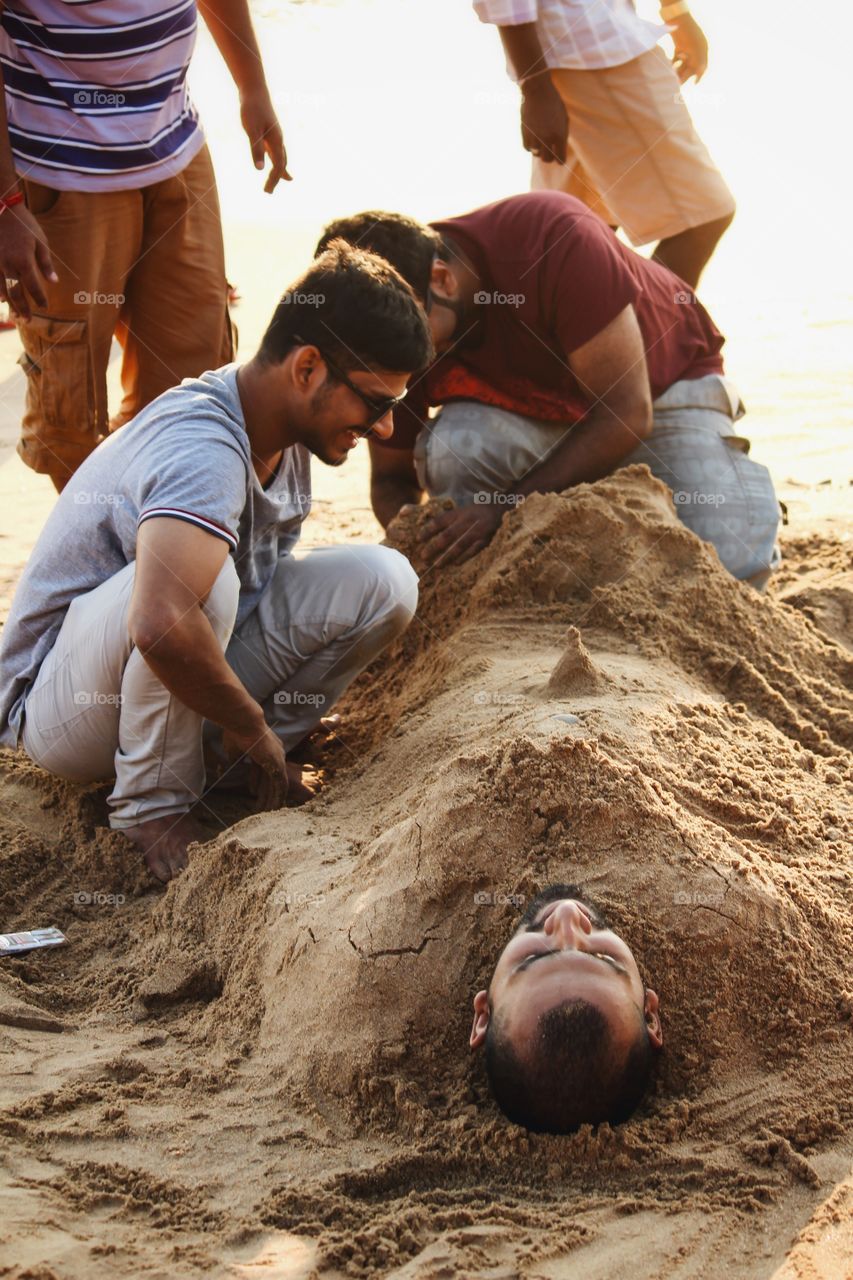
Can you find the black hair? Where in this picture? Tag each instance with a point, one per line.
(407, 244)
(357, 308)
(572, 1074)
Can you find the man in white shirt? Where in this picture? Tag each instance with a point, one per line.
(603, 116)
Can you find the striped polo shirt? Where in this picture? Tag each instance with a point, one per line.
(96, 92)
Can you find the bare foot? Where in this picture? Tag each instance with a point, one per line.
(164, 843)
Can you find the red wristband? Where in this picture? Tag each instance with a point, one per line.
(7, 202)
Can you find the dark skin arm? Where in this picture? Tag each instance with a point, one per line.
(544, 123)
(393, 482)
(611, 371)
(230, 24)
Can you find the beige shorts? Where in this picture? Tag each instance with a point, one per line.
(634, 156)
(146, 265)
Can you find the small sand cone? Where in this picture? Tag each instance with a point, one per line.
(575, 672)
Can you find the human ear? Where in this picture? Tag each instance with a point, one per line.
(480, 1025)
(442, 281)
(650, 1012)
(306, 366)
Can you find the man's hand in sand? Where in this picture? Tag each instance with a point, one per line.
(24, 261)
(451, 537)
(270, 777)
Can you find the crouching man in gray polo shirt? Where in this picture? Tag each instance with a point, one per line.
(164, 599)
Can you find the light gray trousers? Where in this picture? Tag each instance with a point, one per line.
(472, 450)
(96, 710)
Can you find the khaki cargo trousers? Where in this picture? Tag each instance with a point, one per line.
(145, 265)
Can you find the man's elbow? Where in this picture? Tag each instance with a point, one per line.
(155, 632)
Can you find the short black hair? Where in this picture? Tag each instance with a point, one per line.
(355, 306)
(407, 244)
(572, 1074)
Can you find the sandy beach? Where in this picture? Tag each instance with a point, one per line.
(263, 1071)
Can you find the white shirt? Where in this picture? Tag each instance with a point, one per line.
(581, 34)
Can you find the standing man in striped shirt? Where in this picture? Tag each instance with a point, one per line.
(603, 116)
(109, 216)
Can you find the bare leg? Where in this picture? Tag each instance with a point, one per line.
(687, 253)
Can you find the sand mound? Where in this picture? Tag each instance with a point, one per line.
(575, 672)
(592, 698)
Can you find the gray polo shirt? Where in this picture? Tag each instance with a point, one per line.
(187, 457)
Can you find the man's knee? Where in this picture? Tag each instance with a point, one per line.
(220, 607)
(397, 584)
(477, 448)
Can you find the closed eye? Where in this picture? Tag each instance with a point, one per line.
(596, 955)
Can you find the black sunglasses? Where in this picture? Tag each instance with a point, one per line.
(376, 408)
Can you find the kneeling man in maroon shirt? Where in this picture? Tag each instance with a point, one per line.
(562, 355)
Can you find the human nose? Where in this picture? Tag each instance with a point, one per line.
(383, 428)
(568, 926)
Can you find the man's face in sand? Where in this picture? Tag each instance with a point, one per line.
(564, 950)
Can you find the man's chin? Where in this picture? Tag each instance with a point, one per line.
(331, 459)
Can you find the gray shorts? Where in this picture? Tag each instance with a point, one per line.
(719, 492)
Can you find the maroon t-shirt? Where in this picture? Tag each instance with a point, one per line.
(553, 276)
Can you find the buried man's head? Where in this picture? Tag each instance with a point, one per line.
(568, 1028)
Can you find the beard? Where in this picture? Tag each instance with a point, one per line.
(465, 335)
(556, 893)
(320, 449)
(317, 440)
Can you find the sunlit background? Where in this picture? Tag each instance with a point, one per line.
(405, 104)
